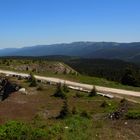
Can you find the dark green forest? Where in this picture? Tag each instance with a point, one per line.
(113, 70)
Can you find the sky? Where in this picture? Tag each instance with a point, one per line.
(34, 22)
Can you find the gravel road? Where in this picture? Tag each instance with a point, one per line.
(75, 84)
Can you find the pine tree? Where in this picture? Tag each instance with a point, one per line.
(64, 111)
(93, 92)
(129, 78)
(59, 92)
(32, 80)
(65, 88)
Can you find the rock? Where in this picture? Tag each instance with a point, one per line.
(7, 75)
(119, 113)
(125, 123)
(23, 91)
(6, 88)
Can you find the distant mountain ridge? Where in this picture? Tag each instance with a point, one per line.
(107, 50)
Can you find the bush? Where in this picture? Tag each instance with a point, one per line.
(133, 114)
(93, 92)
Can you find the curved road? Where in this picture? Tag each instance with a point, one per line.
(75, 84)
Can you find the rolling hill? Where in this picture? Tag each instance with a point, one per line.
(107, 50)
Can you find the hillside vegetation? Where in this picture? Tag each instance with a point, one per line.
(79, 70)
(115, 70)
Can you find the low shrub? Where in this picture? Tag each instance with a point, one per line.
(104, 104)
(79, 95)
(123, 100)
(133, 114)
(74, 110)
(85, 114)
(40, 88)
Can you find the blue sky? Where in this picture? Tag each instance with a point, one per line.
(33, 22)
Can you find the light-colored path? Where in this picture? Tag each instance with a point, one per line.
(80, 85)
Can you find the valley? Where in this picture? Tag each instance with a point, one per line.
(69, 70)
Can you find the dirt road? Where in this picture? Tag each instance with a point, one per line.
(75, 84)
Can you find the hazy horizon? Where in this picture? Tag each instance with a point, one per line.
(64, 43)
